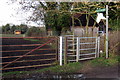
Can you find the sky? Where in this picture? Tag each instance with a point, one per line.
(13, 14)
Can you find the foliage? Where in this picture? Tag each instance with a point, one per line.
(23, 28)
(9, 29)
(54, 19)
(115, 24)
(6, 29)
(13, 28)
(57, 15)
(114, 15)
(34, 31)
(57, 21)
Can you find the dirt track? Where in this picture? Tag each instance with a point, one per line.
(102, 72)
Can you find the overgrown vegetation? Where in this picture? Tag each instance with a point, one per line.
(115, 24)
(102, 61)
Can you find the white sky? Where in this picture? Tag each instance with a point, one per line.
(12, 13)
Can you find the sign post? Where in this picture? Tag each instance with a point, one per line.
(106, 38)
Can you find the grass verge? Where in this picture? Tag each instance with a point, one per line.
(68, 68)
(102, 61)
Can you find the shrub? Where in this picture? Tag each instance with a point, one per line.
(35, 31)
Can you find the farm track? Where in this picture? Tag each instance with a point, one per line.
(43, 56)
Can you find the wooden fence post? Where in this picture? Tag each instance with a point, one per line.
(57, 48)
(98, 47)
(65, 52)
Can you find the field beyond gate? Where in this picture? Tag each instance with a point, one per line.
(28, 53)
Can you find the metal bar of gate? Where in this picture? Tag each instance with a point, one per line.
(61, 49)
(94, 53)
(78, 49)
(96, 47)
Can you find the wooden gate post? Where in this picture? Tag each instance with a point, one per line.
(98, 47)
(57, 46)
(65, 48)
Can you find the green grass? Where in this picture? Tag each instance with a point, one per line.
(14, 73)
(68, 68)
(102, 61)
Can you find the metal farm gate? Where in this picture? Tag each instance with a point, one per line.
(26, 53)
(74, 49)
